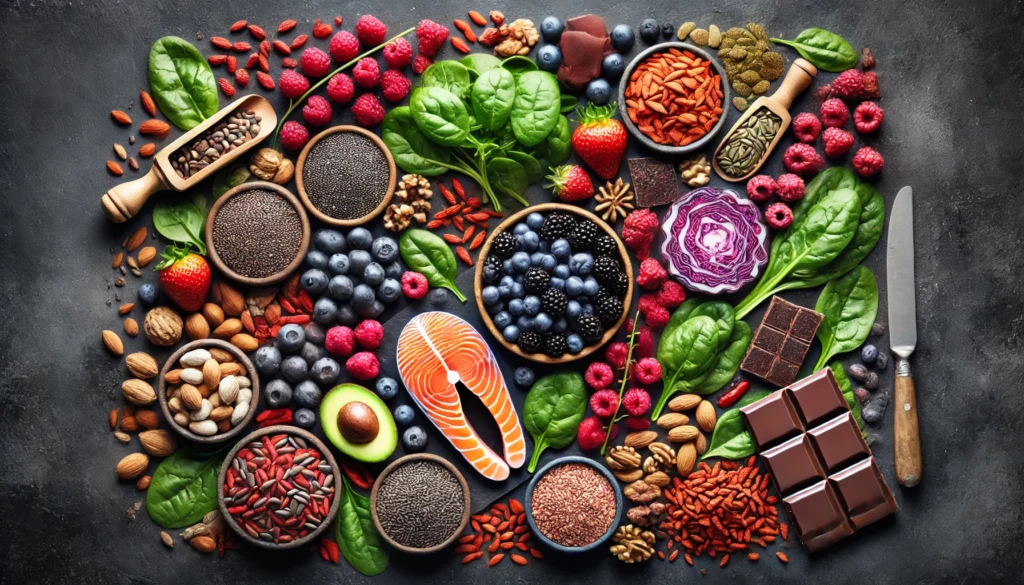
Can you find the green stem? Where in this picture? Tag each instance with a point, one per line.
(666, 393)
(535, 458)
(625, 380)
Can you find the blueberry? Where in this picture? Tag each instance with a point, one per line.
(549, 58)
(304, 418)
(338, 264)
(573, 309)
(551, 28)
(360, 239)
(307, 394)
(505, 291)
(536, 258)
(517, 290)
(325, 371)
(267, 360)
(316, 259)
(868, 353)
(590, 286)
(375, 310)
(520, 229)
(358, 260)
(495, 308)
(294, 369)
(502, 319)
(574, 342)
(510, 333)
(340, 288)
(558, 283)
(438, 297)
(649, 30)
(314, 281)
(311, 352)
(581, 264)
(384, 250)
(542, 322)
(414, 439)
(386, 388)
(507, 281)
(667, 30)
(290, 338)
(347, 316)
(525, 323)
(535, 220)
(574, 286)
(524, 377)
(315, 333)
(560, 325)
(586, 309)
(404, 415)
(612, 66)
(390, 290)
(543, 247)
(362, 297)
(147, 295)
(548, 262)
(532, 304)
(520, 262)
(394, 270)
(622, 38)
(490, 295)
(329, 241)
(516, 307)
(278, 393)
(531, 241)
(373, 274)
(561, 249)
(882, 361)
(561, 271)
(599, 91)
(325, 310)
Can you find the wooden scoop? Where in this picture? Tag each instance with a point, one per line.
(125, 200)
(800, 75)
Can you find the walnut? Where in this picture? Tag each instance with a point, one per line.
(632, 544)
(162, 326)
(646, 515)
(623, 459)
(398, 217)
(519, 38)
(696, 172)
(641, 492)
(413, 188)
(270, 165)
(413, 194)
(662, 458)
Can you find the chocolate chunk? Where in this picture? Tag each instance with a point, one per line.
(793, 351)
(818, 516)
(772, 419)
(782, 372)
(769, 339)
(839, 442)
(780, 314)
(654, 182)
(805, 325)
(785, 332)
(758, 362)
(793, 464)
(864, 492)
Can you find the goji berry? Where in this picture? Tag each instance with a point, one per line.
(241, 47)
(239, 25)
(232, 64)
(257, 32)
(286, 26)
(463, 255)
(220, 43)
(226, 87)
(265, 80)
(242, 77)
(265, 48)
(452, 238)
(459, 45)
(282, 47)
(289, 63)
(217, 59)
(448, 195)
(299, 41)
(457, 185)
(478, 240)
(477, 18)
(264, 64)
(251, 62)
(468, 234)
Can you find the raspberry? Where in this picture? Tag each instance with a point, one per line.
(616, 354)
(825, 92)
(644, 347)
(367, 72)
(371, 31)
(367, 110)
(363, 366)
(868, 162)
(637, 423)
(834, 113)
(369, 333)
(599, 376)
(647, 302)
(868, 117)
(591, 433)
(394, 85)
(314, 62)
(849, 85)
(647, 371)
(806, 127)
(791, 188)
(604, 403)
(292, 83)
(761, 188)
(671, 295)
(837, 142)
(636, 401)
(344, 46)
(317, 111)
(420, 64)
(871, 89)
(414, 285)
(778, 216)
(340, 340)
(657, 317)
(652, 274)
(431, 37)
(802, 159)
(639, 230)
(294, 135)
(398, 53)
(341, 89)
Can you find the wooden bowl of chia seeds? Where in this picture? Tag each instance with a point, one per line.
(345, 176)
(573, 504)
(416, 504)
(257, 233)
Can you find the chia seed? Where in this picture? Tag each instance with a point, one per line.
(420, 504)
(346, 175)
(257, 233)
(573, 505)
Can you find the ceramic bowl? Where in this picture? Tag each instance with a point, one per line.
(604, 473)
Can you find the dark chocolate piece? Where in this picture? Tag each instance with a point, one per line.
(818, 516)
(782, 372)
(773, 419)
(654, 181)
(839, 442)
(793, 350)
(758, 362)
(769, 339)
(780, 314)
(785, 332)
(863, 490)
(805, 325)
(794, 465)
(818, 399)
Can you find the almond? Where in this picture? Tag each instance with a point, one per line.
(658, 478)
(683, 434)
(686, 458)
(131, 327)
(123, 437)
(138, 238)
(230, 369)
(701, 443)
(173, 377)
(684, 402)
(157, 128)
(245, 342)
(231, 300)
(113, 342)
(221, 355)
(641, 439)
(191, 397)
(158, 443)
(132, 466)
(147, 150)
(203, 544)
(629, 476)
(143, 483)
(138, 392)
(706, 416)
(113, 419)
(214, 314)
(147, 103)
(166, 539)
(228, 329)
(120, 151)
(211, 373)
(146, 255)
(272, 314)
(670, 420)
(196, 326)
(121, 117)
(142, 365)
(129, 424)
(221, 413)
(118, 258)
(125, 308)
(147, 419)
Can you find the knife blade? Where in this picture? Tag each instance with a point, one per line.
(903, 336)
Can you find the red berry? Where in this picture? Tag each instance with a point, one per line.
(414, 285)
(778, 216)
(420, 64)
(638, 423)
(838, 142)
(802, 159)
(871, 89)
(265, 80)
(604, 403)
(321, 30)
(394, 85)
(636, 401)
(647, 371)
(314, 62)
(834, 113)
(340, 340)
(369, 334)
(371, 32)
(639, 230)
(340, 88)
(616, 354)
(652, 274)
(647, 302)
(791, 188)
(431, 36)
(226, 87)
(398, 53)
(367, 72)
(644, 343)
(292, 83)
(825, 92)
(671, 295)
(657, 317)
(289, 63)
(294, 135)
(849, 85)
(868, 162)
(591, 433)
(344, 46)
(761, 188)
(806, 127)
(867, 117)
(363, 366)
(599, 376)
(367, 110)
(317, 111)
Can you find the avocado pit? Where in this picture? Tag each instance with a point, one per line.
(358, 422)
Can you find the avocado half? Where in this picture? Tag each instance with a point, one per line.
(376, 449)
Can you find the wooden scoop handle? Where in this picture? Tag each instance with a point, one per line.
(800, 75)
(907, 443)
(125, 200)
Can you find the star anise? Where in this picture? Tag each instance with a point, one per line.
(614, 200)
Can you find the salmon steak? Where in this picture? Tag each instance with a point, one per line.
(436, 351)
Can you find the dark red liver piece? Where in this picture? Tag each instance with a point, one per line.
(781, 342)
(584, 44)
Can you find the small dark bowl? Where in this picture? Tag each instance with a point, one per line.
(604, 473)
(697, 144)
(313, 442)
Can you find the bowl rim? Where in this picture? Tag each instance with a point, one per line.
(467, 509)
(170, 363)
(604, 473)
(301, 188)
(309, 438)
(478, 283)
(697, 144)
(303, 243)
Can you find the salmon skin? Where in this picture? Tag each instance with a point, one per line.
(435, 351)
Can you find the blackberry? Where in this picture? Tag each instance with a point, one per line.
(529, 341)
(504, 245)
(619, 284)
(583, 235)
(553, 302)
(590, 329)
(557, 225)
(555, 345)
(606, 269)
(492, 269)
(608, 310)
(536, 281)
(604, 245)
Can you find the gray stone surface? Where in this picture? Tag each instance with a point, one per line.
(951, 77)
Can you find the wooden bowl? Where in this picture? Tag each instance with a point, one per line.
(410, 459)
(305, 196)
(172, 363)
(478, 283)
(312, 441)
(303, 244)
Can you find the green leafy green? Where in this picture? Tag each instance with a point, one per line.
(183, 488)
(518, 64)
(557, 147)
(568, 104)
(412, 150)
(182, 82)
(493, 93)
(534, 172)
(536, 105)
(426, 253)
(480, 63)
(440, 114)
(229, 178)
(847, 389)
(358, 539)
(849, 305)
(824, 49)
(450, 75)
(728, 361)
(552, 412)
(506, 176)
(731, 439)
(181, 221)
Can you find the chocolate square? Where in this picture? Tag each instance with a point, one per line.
(793, 464)
(866, 497)
(780, 314)
(805, 325)
(794, 351)
(772, 419)
(655, 181)
(839, 442)
(769, 339)
(782, 373)
(818, 516)
(757, 362)
(818, 397)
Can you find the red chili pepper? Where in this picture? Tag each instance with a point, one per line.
(357, 474)
(732, 396)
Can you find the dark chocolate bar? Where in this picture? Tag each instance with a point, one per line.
(781, 342)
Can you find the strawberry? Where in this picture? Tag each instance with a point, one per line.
(571, 183)
(185, 277)
(600, 140)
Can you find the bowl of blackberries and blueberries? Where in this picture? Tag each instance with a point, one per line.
(554, 283)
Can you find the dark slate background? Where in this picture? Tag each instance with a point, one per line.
(951, 75)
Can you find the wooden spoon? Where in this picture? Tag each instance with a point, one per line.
(125, 200)
(800, 75)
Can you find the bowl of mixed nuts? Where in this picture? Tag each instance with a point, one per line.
(209, 391)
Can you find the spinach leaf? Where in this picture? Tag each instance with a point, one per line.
(567, 103)
(731, 439)
(723, 315)
(680, 315)
(228, 179)
(552, 412)
(849, 305)
(492, 96)
(826, 50)
(507, 177)
(413, 151)
(480, 63)
(450, 75)
(181, 221)
(183, 488)
(440, 115)
(828, 228)
(356, 535)
(847, 389)
(534, 172)
(686, 355)
(518, 64)
(427, 254)
(535, 108)
(558, 144)
(728, 361)
(181, 82)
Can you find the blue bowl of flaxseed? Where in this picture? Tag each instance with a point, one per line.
(573, 505)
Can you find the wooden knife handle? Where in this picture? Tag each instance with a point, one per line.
(907, 442)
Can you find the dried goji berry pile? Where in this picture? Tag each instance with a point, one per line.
(467, 216)
(505, 528)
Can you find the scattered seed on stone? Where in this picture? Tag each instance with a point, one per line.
(345, 175)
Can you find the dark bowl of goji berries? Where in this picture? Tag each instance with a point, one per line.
(573, 505)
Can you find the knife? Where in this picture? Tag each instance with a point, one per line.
(903, 336)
